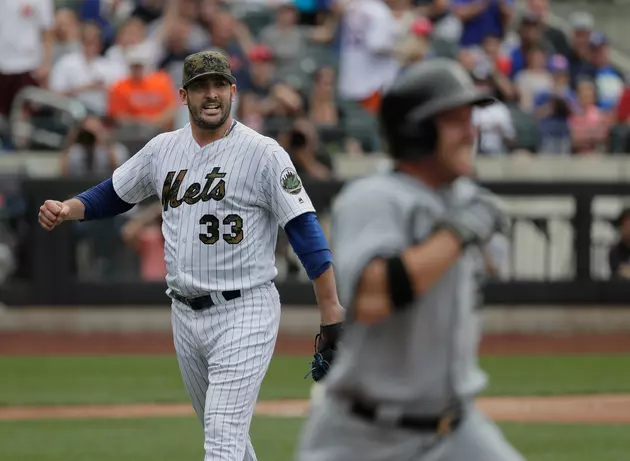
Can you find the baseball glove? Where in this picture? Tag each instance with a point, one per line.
(325, 349)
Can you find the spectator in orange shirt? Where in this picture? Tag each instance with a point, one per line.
(146, 100)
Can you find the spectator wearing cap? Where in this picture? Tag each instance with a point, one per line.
(26, 47)
(582, 25)
(552, 109)
(589, 125)
(556, 37)
(146, 101)
(66, 33)
(530, 32)
(534, 80)
(609, 81)
(482, 17)
(86, 75)
(494, 122)
(619, 253)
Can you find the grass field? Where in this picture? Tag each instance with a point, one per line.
(143, 379)
(148, 379)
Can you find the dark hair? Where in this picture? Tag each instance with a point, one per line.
(86, 138)
(297, 139)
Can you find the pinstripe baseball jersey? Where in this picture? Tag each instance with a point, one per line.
(221, 205)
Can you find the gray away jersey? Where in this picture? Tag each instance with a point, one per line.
(221, 205)
(424, 356)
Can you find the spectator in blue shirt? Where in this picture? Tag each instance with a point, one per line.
(553, 108)
(481, 18)
(609, 81)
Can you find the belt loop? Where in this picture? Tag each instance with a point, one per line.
(217, 298)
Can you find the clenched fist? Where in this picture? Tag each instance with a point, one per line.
(52, 213)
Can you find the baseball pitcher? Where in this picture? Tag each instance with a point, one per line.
(409, 265)
(224, 190)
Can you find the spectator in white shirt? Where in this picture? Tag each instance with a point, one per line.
(367, 60)
(26, 45)
(86, 75)
(493, 122)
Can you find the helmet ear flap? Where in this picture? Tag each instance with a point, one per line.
(416, 140)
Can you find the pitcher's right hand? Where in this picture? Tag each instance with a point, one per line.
(52, 213)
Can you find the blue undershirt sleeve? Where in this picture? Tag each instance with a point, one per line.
(102, 201)
(309, 243)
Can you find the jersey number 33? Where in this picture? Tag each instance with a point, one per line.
(195, 193)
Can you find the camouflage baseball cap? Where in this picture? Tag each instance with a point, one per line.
(206, 63)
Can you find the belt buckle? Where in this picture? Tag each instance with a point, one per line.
(445, 425)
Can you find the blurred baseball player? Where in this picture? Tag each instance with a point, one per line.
(224, 190)
(408, 261)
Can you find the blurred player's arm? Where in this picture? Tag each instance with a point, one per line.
(379, 270)
(425, 264)
(130, 184)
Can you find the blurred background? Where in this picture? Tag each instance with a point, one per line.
(86, 83)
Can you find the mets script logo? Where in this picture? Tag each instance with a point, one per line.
(195, 192)
(290, 181)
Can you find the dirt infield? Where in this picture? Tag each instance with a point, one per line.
(39, 343)
(596, 409)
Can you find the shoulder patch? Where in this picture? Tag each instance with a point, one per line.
(290, 181)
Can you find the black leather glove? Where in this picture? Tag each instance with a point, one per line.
(325, 349)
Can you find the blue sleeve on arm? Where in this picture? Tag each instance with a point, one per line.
(102, 201)
(309, 243)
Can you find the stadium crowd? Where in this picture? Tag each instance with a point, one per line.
(95, 79)
(309, 72)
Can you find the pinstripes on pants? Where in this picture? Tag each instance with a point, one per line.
(223, 353)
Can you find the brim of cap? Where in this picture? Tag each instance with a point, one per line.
(228, 77)
(440, 105)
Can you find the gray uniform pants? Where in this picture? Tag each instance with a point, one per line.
(332, 433)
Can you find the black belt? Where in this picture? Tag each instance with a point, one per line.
(204, 302)
(441, 425)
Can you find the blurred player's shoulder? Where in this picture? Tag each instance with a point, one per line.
(375, 189)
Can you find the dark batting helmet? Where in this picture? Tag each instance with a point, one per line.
(419, 94)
